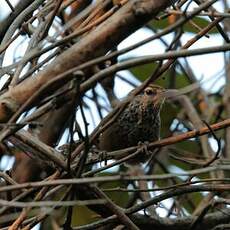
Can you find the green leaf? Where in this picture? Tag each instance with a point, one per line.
(141, 73)
(120, 198)
(202, 22)
(83, 215)
(168, 114)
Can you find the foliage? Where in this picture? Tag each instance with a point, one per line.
(58, 96)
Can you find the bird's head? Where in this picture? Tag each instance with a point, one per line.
(154, 94)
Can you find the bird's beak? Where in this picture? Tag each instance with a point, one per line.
(170, 93)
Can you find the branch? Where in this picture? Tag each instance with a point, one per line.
(109, 34)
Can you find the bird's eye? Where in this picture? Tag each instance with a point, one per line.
(150, 92)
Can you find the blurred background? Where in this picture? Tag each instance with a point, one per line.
(207, 102)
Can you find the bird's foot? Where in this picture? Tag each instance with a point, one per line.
(144, 146)
(103, 156)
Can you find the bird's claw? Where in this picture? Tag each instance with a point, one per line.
(103, 157)
(144, 146)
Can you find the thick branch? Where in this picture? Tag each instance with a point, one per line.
(109, 34)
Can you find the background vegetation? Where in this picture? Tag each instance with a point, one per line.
(59, 66)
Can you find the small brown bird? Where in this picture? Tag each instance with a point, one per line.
(139, 122)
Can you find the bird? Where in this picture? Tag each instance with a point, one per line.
(138, 123)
